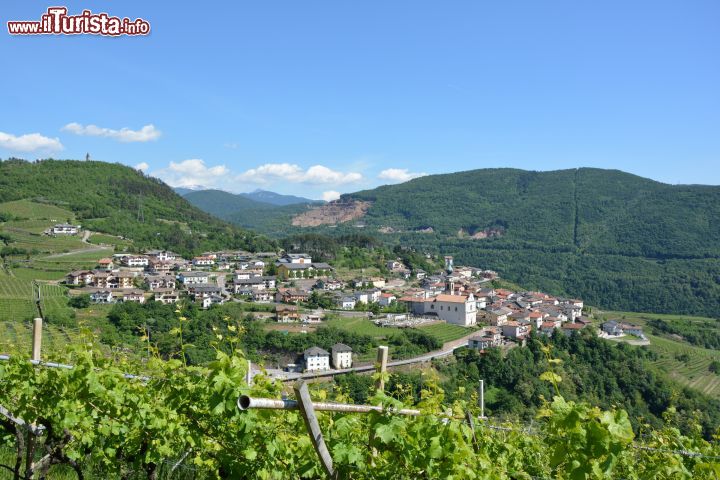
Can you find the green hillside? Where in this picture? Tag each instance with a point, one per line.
(222, 204)
(120, 200)
(617, 240)
(268, 218)
(614, 239)
(590, 210)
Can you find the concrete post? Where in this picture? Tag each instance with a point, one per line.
(37, 338)
(482, 398)
(382, 360)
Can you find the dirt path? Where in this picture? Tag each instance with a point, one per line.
(82, 250)
(91, 248)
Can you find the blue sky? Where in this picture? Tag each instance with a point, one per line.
(320, 97)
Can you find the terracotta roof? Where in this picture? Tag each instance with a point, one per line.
(411, 299)
(444, 297)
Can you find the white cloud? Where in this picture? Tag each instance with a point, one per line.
(317, 174)
(29, 142)
(399, 174)
(193, 172)
(142, 166)
(274, 176)
(145, 134)
(330, 195)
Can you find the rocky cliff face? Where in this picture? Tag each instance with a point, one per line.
(332, 213)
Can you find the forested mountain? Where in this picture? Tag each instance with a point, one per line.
(260, 196)
(221, 203)
(269, 218)
(276, 198)
(120, 200)
(184, 190)
(587, 210)
(614, 239)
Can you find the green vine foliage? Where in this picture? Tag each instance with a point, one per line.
(177, 421)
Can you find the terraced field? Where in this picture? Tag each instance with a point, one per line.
(31, 226)
(54, 301)
(50, 258)
(642, 318)
(693, 372)
(41, 243)
(35, 210)
(103, 239)
(446, 332)
(29, 273)
(17, 337)
(16, 298)
(33, 218)
(359, 325)
(71, 261)
(17, 309)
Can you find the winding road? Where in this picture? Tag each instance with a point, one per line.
(446, 351)
(84, 239)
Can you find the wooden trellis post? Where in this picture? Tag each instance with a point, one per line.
(471, 424)
(313, 427)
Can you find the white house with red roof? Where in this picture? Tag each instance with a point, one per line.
(386, 299)
(455, 309)
(516, 330)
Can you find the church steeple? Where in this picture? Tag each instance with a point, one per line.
(449, 264)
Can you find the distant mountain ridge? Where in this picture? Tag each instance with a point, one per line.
(185, 190)
(273, 198)
(260, 196)
(246, 212)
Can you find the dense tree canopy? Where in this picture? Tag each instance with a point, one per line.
(603, 373)
(120, 200)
